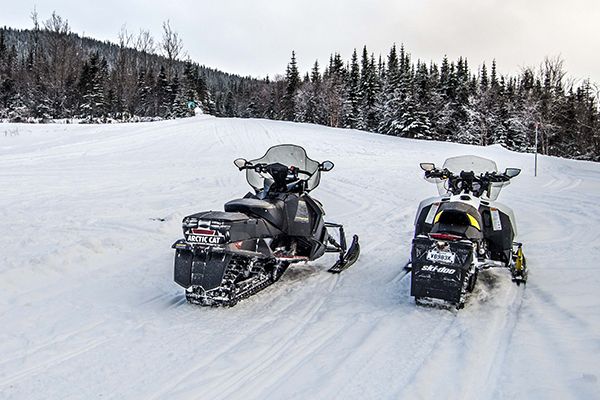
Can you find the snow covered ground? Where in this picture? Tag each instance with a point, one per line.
(88, 307)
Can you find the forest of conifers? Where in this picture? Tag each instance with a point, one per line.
(49, 73)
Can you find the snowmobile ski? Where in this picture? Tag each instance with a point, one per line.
(348, 258)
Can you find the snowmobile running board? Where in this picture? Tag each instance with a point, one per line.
(348, 256)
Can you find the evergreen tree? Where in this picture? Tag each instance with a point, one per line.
(91, 84)
(162, 94)
(230, 105)
(353, 95)
(334, 84)
(292, 79)
(369, 86)
(483, 79)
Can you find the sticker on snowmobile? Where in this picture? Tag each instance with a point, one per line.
(207, 237)
(443, 257)
(435, 268)
(496, 224)
(301, 212)
(432, 212)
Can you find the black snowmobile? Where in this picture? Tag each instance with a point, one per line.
(227, 256)
(463, 231)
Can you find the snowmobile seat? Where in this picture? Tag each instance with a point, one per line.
(271, 210)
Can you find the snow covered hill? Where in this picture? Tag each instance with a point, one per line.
(88, 307)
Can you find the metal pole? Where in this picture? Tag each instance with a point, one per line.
(536, 150)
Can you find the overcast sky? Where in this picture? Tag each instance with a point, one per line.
(256, 37)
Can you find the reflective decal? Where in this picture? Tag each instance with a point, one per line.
(431, 213)
(496, 224)
(302, 212)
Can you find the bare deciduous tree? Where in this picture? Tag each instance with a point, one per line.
(57, 24)
(34, 19)
(552, 72)
(125, 38)
(145, 42)
(171, 45)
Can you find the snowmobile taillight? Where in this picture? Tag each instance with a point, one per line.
(203, 232)
(444, 236)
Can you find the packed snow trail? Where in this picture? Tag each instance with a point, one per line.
(89, 309)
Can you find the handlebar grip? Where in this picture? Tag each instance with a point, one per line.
(435, 174)
(498, 178)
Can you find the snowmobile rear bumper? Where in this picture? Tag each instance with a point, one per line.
(445, 279)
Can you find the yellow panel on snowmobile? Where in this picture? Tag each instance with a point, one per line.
(472, 220)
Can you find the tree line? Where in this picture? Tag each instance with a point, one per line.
(49, 72)
(449, 102)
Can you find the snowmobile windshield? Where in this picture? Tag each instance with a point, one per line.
(479, 166)
(289, 155)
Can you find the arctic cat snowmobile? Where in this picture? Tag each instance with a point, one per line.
(227, 256)
(463, 231)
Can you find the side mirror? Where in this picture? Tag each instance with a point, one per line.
(512, 172)
(240, 163)
(326, 166)
(427, 166)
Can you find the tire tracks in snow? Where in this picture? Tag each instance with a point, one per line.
(53, 361)
(280, 349)
(63, 337)
(463, 341)
(213, 389)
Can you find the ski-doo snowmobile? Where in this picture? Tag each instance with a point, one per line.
(463, 231)
(227, 256)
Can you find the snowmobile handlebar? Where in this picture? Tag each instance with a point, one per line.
(284, 178)
(438, 173)
(467, 181)
(271, 168)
